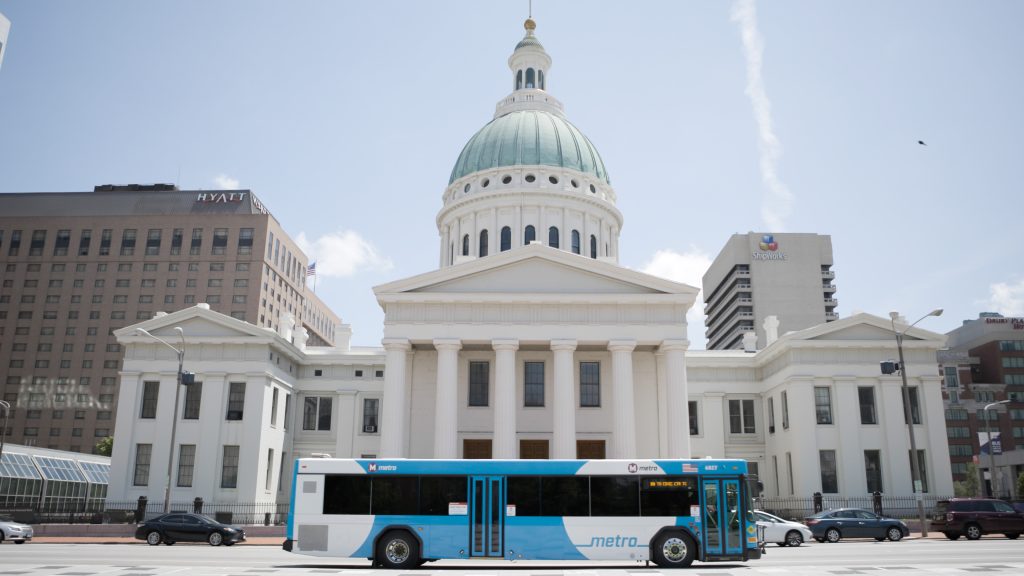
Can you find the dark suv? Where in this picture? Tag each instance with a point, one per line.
(973, 517)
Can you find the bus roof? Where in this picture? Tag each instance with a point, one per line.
(399, 466)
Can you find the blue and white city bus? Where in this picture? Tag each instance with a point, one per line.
(402, 513)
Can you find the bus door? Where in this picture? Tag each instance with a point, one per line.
(723, 518)
(487, 516)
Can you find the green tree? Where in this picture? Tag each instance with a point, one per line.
(970, 486)
(105, 446)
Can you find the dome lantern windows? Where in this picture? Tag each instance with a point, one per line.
(465, 245)
(593, 246)
(553, 237)
(506, 179)
(540, 79)
(485, 183)
(465, 189)
(519, 80)
(593, 190)
(530, 234)
(483, 243)
(574, 183)
(531, 81)
(575, 241)
(530, 178)
(553, 179)
(506, 238)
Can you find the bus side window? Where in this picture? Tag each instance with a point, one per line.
(346, 494)
(524, 493)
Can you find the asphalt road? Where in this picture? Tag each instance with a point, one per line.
(994, 556)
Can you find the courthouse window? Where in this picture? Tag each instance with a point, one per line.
(533, 384)
(316, 413)
(823, 404)
(590, 384)
(479, 383)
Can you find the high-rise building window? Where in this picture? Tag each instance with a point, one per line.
(83, 243)
(60, 247)
(479, 383)
(35, 248)
(177, 236)
(143, 453)
(153, 242)
(197, 242)
(229, 468)
(186, 464)
(245, 236)
(106, 237)
(12, 249)
(220, 240)
(128, 242)
(533, 384)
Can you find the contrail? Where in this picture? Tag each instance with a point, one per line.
(778, 201)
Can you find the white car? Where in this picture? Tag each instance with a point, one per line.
(16, 531)
(782, 532)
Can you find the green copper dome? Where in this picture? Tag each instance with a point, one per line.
(529, 137)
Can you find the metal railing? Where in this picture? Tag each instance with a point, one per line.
(798, 508)
(133, 511)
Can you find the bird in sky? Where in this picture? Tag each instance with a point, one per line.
(921, 142)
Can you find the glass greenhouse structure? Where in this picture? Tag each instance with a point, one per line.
(52, 481)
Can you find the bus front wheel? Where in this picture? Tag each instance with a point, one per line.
(398, 550)
(674, 550)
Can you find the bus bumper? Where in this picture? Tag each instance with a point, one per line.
(753, 553)
(287, 546)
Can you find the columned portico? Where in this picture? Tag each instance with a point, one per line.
(393, 430)
(564, 427)
(446, 419)
(677, 391)
(624, 413)
(504, 446)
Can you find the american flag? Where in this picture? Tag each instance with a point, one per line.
(311, 269)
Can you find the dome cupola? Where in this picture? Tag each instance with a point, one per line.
(529, 175)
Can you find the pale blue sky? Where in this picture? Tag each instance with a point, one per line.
(345, 119)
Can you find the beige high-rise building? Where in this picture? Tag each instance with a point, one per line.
(76, 266)
(761, 275)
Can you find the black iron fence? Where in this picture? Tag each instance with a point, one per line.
(798, 508)
(133, 511)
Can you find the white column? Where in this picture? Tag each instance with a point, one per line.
(504, 446)
(624, 414)
(677, 393)
(393, 421)
(446, 419)
(564, 401)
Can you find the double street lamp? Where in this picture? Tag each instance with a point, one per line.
(174, 413)
(915, 466)
(994, 485)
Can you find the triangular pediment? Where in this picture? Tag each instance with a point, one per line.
(197, 323)
(537, 270)
(862, 327)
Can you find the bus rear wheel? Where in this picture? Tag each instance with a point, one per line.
(398, 550)
(674, 550)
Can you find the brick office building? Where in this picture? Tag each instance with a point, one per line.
(76, 266)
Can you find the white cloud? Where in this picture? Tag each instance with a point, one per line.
(1007, 299)
(342, 254)
(778, 201)
(688, 268)
(225, 182)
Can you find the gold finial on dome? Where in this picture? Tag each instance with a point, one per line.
(530, 25)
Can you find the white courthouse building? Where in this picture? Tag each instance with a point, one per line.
(528, 341)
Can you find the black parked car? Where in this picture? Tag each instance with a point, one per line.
(833, 525)
(180, 527)
(973, 517)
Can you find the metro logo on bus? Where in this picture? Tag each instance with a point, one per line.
(633, 468)
(374, 467)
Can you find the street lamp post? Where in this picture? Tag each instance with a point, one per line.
(993, 486)
(174, 413)
(915, 467)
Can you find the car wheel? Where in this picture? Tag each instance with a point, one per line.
(674, 550)
(153, 538)
(952, 535)
(794, 538)
(215, 539)
(1013, 535)
(894, 533)
(973, 531)
(398, 550)
(19, 541)
(833, 535)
